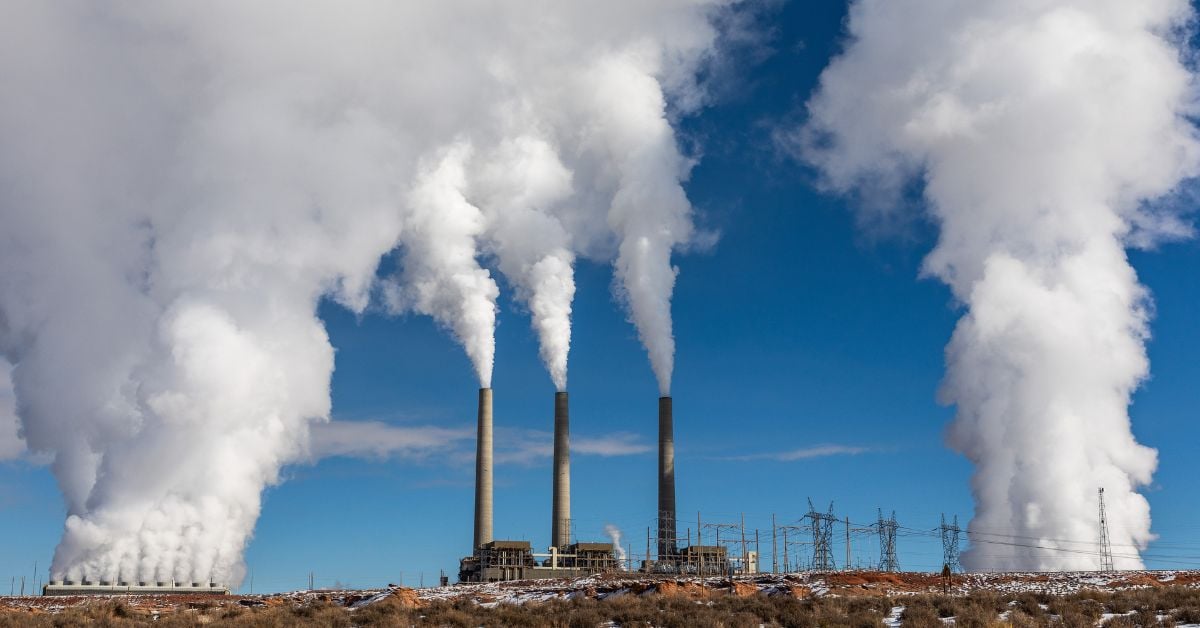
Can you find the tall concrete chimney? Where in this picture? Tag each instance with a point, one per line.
(666, 482)
(483, 470)
(560, 528)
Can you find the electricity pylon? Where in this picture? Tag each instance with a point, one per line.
(1106, 558)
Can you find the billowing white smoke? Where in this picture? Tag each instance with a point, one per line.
(442, 277)
(650, 217)
(521, 186)
(181, 184)
(1041, 128)
(11, 443)
(614, 534)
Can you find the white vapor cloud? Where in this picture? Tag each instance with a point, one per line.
(1043, 132)
(12, 446)
(182, 183)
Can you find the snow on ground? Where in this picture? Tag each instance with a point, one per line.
(805, 584)
(801, 584)
(893, 618)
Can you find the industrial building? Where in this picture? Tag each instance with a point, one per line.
(498, 560)
(515, 560)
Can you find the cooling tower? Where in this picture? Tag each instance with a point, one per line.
(666, 481)
(483, 470)
(560, 528)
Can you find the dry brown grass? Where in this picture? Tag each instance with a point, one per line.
(980, 609)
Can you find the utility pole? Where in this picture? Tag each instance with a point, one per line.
(1106, 558)
(745, 555)
(647, 550)
(774, 549)
(785, 553)
(757, 553)
(847, 542)
(689, 544)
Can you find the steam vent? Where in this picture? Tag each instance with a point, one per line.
(87, 587)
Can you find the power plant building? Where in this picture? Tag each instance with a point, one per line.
(70, 587)
(495, 560)
(499, 560)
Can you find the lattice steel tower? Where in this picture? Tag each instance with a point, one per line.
(887, 543)
(1106, 558)
(950, 543)
(822, 533)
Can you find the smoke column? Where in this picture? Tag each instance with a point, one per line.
(442, 276)
(614, 535)
(521, 186)
(1041, 129)
(649, 212)
(182, 184)
(11, 443)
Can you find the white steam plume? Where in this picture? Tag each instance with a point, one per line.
(182, 184)
(11, 443)
(442, 276)
(649, 212)
(520, 187)
(1041, 129)
(614, 534)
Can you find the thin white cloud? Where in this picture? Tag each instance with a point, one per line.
(375, 439)
(804, 453)
(616, 444)
(533, 446)
(379, 440)
(523, 447)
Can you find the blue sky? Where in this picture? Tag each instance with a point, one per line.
(797, 331)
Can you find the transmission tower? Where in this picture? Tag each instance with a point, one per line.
(950, 543)
(887, 543)
(1106, 558)
(822, 534)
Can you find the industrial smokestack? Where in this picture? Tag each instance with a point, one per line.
(560, 529)
(483, 470)
(666, 481)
